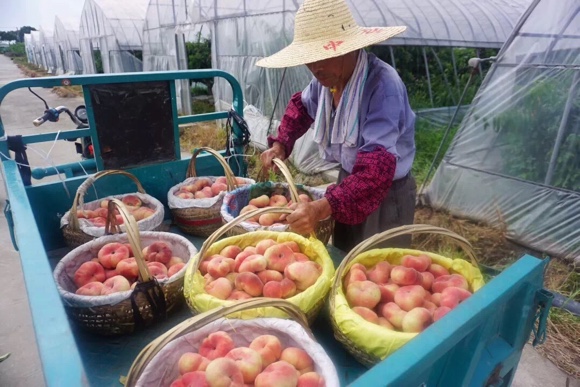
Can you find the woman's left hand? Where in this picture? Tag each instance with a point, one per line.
(306, 215)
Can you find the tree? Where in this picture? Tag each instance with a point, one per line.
(199, 57)
(24, 30)
(8, 35)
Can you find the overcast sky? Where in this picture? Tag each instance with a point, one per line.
(38, 13)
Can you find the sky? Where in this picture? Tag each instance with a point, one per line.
(38, 13)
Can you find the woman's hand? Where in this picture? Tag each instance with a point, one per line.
(306, 215)
(276, 151)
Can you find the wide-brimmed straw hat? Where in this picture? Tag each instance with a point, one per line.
(326, 29)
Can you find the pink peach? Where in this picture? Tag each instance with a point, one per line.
(190, 362)
(304, 274)
(224, 372)
(445, 281)
(239, 295)
(279, 374)
(158, 252)
(194, 379)
(453, 296)
(269, 347)
(363, 293)
(230, 251)
(249, 283)
(217, 344)
(437, 270)
(404, 276)
(440, 312)
(128, 268)
(410, 297)
(420, 263)
(220, 288)
(157, 270)
(270, 275)
(90, 289)
(89, 272)
(299, 358)
(380, 274)
(278, 257)
(388, 292)
(367, 314)
(175, 269)
(220, 266)
(311, 379)
(115, 284)
(111, 254)
(254, 263)
(416, 320)
(248, 361)
(393, 314)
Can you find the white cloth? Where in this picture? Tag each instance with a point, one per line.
(345, 125)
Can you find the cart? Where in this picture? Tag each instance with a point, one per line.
(480, 346)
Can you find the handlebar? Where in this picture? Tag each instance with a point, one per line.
(53, 114)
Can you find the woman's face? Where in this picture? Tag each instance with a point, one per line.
(334, 72)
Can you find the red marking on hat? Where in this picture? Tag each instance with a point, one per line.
(332, 45)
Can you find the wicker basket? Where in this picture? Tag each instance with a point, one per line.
(235, 200)
(156, 363)
(310, 301)
(123, 312)
(200, 217)
(76, 234)
(351, 329)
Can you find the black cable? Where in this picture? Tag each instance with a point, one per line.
(42, 99)
(277, 98)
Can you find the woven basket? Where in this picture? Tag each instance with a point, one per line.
(200, 217)
(156, 364)
(370, 343)
(72, 229)
(123, 312)
(310, 301)
(232, 205)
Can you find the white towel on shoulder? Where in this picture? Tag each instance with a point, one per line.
(345, 127)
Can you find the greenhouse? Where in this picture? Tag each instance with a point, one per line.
(36, 45)
(110, 35)
(244, 31)
(46, 47)
(29, 48)
(66, 43)
(515, 160)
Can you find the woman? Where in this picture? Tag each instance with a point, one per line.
(360, 113)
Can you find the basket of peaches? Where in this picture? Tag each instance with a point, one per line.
(119, 283)
(259, 264)
(195, 202)
(215, 348)
(383, 297)
(272, 194)
(86, 221)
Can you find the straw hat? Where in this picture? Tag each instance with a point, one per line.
(326, 29)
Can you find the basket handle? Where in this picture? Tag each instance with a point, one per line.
(112, 227)
(200, 320)
(229, 174)
(228, 226)
(393, 233)
(81, 191)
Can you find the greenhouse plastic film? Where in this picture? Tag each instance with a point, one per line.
(67, 48)
(515, 160)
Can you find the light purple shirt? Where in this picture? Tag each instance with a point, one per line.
(386, 118)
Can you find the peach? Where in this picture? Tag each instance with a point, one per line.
(220, 288)
(111, 254)
(264, 245)
(410, 297)
(452, 296)
(419, 263)
(112, 273)
(270, 275)
(158, 252)
(304, 274)
(130, 249)
(280, 289)
(203, 266)
(260, 201)
(248, 361)
(224, 372)
(429, 306)
(222, 179)
(366, 313)
(220, 266)
(440, 312)
(436, 298)
(437, 270)
(232, 278)
(217, 188)
(175, 269)
(279, 374)
(89, 272)
(90, 289)
(268, 219)
(404, 276)
(183, 194)
(354, 275)
(278, 201)
(231, 251)
(190, 362)
(380, 273)
(104, 203)
(238, 295)
(278, 257)
(293, 246)
(217, 344)
(174, 261)
(132, 201)
(143, 213)
(208, 191)
(363, 293)
(269, 347)
(445, 281)
(254, 263)
(249, 208)
(179, 382)
(98, 221)
(241, 181)
(208, 278)
(299, 257)
(194, 379)
(128, 268)
(388, 292)
(416, 320)
(157, 270)
(252, 249)
(202, 183)
(393, 314)
(201, 195)
(303, 198)
(101, 213)
(427, 280)
(385, 323)
(299, 358)
(115, 284)
(249, 283)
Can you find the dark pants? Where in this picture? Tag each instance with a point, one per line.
(397, 209)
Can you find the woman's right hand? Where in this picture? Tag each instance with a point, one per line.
(276, 151)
